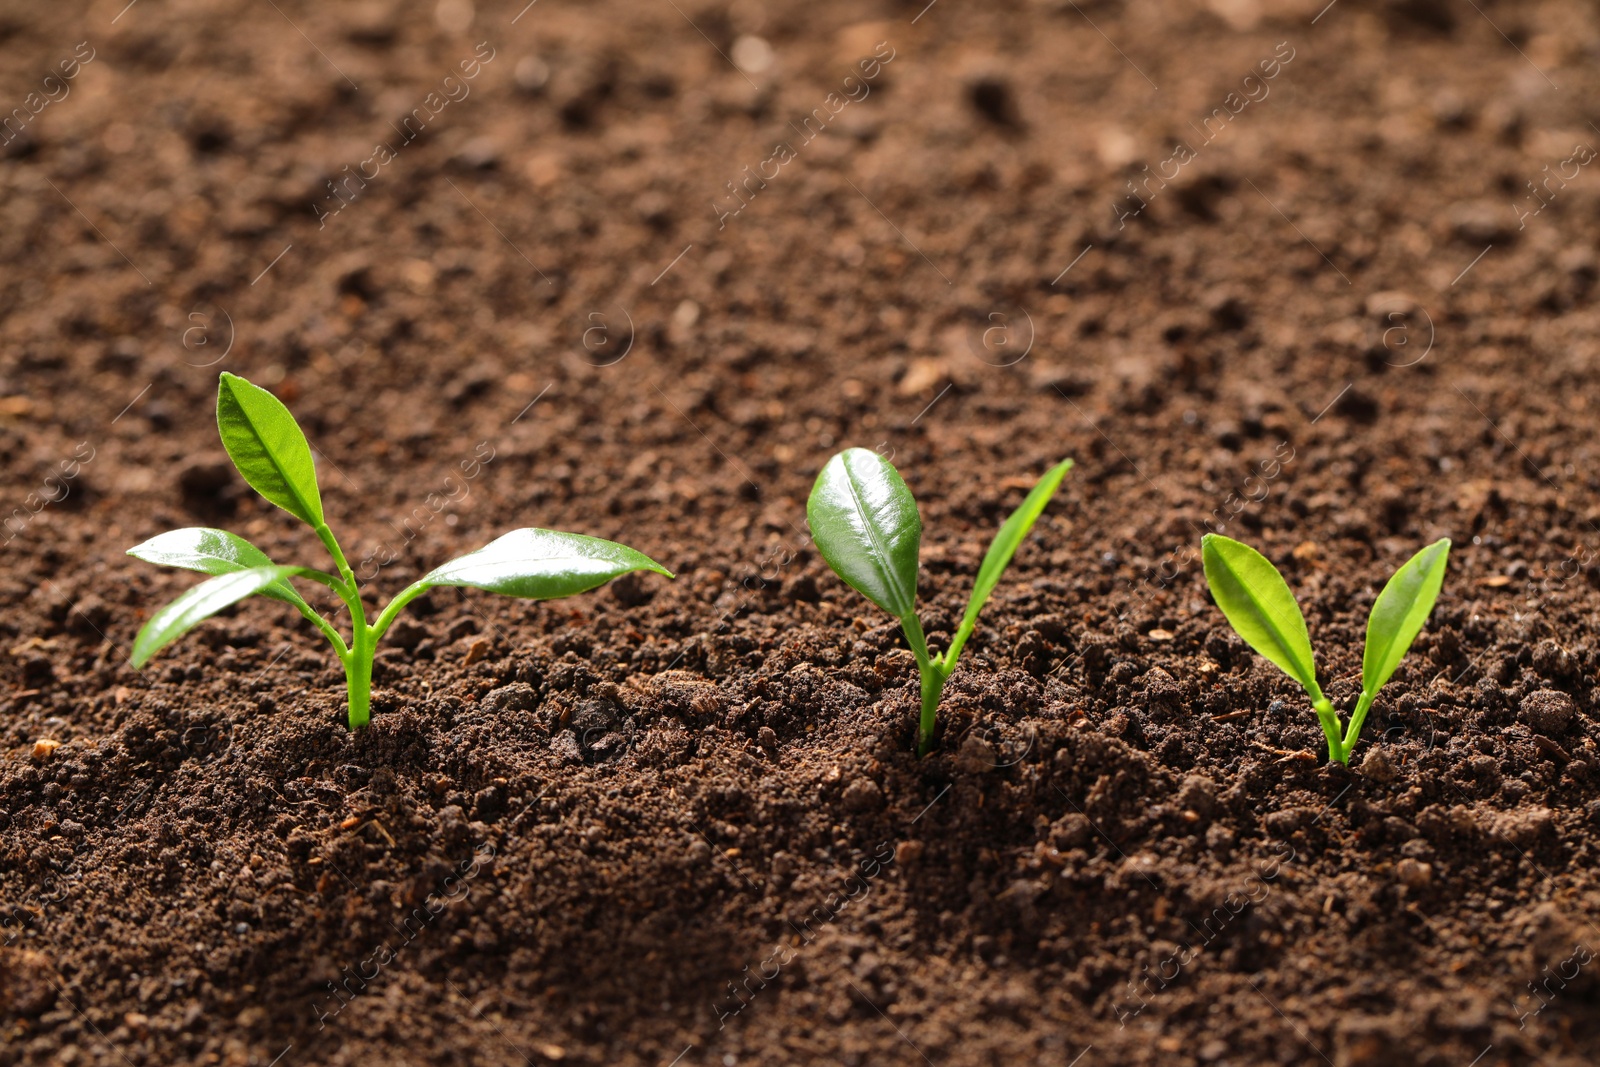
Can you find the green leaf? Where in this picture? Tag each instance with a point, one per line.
(541, 565)
(1005, 543)
(199, 604)
(1257, 602)
(268, 447)
(1400, 611)
(865, 523)
(201, 548)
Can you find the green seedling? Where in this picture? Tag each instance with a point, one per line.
(865, 523)
(1259, 606)
(270, 451)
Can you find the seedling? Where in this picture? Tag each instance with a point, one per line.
(865, 523)
(271, 452)
(1259, 606)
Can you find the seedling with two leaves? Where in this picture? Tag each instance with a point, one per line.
(271, 452)
(865, 523)
(1260, 607)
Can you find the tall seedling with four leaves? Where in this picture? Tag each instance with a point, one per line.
(269, 449)
(865, 524)
(1258, 604)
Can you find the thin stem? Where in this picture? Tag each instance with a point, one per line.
(331, 543)
(395, 606)
(934, 675)
(323, 577)
(953, 653)
(358, 677)
(363, 641)
(1357, 720)
(919, 643)
(932, 689)
(334, 637)
(1330, 723)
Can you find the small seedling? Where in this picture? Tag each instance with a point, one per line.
(1259, 606)
(865, 523)
(271, 452)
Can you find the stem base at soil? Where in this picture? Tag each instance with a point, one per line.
(358, 680)
(932, 688)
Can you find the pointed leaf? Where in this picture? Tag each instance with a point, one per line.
(199, 604)
(1400, 611)
(1010, 535)
(865, 523)
(1258, 604)
(541, 565)
(210, 551)
(268, 447)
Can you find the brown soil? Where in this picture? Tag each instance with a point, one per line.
(679, 822)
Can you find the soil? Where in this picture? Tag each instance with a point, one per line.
(680, 822)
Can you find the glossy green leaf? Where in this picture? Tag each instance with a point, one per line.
(268, 447)
(1005, 543)
(199, 604)
(210, 551)
(865, 523)
(541, 565)
(1258, 604)
(1400, 612)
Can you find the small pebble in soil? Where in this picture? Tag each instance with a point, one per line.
(518, 696)
(1548, 711)
(1414, 874)
(1072, 830)
(44, 748)
(1379, 765)
(564, 746)
(1161, 689)
(863, 795)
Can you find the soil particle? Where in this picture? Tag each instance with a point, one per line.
(28, 982)
(1379, 765)
(1482, 222)
(1524, 827)
(863, 795)
(1072, 830)
(1547, 711)
(976, 755)
(1198, 793)
(1414, 874)
(1161, 688)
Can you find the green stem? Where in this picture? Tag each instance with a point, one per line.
(934, 676)
(333, 636)
(1330, 723)
(358, 676)
(395, 606)
(932, 689)
(329, 580)
(331, 543)
(1357, 720)
(953, 653)
(363, 639)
